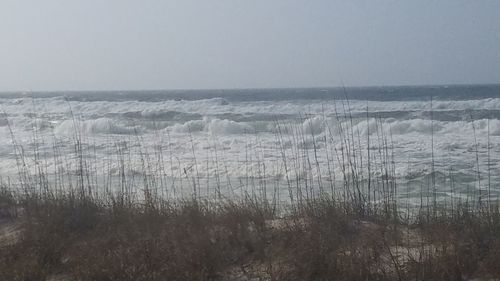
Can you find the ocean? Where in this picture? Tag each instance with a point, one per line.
(443, 139)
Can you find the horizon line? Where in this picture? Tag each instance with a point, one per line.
(250, 88)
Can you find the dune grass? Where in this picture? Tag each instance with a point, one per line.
(81, 238)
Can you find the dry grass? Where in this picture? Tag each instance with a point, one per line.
(75, 238)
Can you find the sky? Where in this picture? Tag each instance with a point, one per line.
(56, 45)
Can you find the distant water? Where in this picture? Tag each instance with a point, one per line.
(237, 129)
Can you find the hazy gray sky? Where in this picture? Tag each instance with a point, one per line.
(146, 44)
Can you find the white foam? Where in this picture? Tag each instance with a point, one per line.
(419, 126)
(223, 127)
(190, 126)
(212, 125)
(96, 126)
(314, 126)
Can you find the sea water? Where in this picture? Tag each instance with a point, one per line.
(241, 141)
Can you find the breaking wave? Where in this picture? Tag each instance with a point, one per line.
(97, 126)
